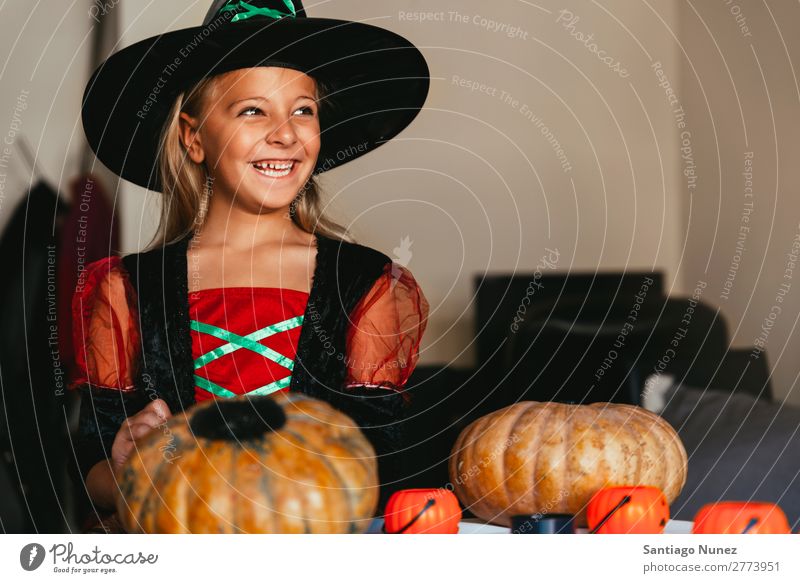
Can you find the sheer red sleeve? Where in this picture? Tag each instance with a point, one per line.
(105, 327)
(385, 331)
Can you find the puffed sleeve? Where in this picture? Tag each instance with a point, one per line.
(383, 339)
(105, 328)
(106, 340)
(385, 332)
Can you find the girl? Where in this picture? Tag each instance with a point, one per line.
(247, 289)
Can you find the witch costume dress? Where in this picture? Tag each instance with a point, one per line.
(352, 341)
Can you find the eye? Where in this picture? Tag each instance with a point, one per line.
(251, 111)
(308, 109)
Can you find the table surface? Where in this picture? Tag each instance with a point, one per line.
(110, 525)
(475, 526)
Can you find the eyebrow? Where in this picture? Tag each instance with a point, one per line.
(259, 98)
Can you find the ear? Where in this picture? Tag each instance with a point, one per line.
(190, 137)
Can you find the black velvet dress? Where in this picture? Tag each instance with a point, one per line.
(133, 345)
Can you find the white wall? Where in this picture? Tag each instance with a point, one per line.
(43, 69)
(741, 87)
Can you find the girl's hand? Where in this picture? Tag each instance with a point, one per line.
(153, 415)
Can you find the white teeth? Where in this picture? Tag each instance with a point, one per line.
(274, 170)
(274, 166)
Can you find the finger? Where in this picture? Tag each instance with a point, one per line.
(160, 407)
(133, 431)
(146, 417)
(124, 443)
(139, 430)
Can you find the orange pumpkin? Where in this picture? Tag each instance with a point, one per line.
(422, 511)
(550, 458)
(740, 518)
(627, 510)
(274, 464)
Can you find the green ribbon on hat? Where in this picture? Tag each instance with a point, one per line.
(250, 10)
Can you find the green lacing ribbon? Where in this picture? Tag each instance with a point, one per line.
(250, 342)
(219, 391)
(251, 10)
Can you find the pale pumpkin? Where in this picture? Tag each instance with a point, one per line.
(550, 458)
(275, 464)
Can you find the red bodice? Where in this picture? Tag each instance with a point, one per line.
(244, 339)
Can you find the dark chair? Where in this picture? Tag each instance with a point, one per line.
(741, 373)
(584, 350)
(499, 298)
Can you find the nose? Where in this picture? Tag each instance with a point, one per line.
(283, 133)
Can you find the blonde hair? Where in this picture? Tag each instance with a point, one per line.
(185, 185)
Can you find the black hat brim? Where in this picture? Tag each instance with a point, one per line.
(378, 80)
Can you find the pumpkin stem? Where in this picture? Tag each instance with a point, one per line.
(238, 420)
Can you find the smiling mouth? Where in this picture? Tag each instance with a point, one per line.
(275, 168)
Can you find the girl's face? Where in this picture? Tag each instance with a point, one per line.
(258, 135)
